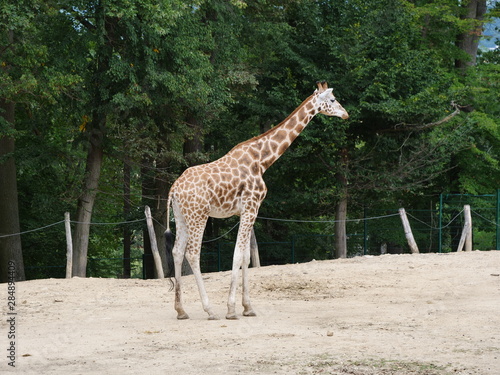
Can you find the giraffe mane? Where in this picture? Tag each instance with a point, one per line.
(251, 140)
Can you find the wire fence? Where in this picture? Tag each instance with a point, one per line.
(378, 231)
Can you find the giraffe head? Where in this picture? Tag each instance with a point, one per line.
(326, 102)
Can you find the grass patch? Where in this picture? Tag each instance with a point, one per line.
(324, 365)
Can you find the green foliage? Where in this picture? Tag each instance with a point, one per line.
(149, 75)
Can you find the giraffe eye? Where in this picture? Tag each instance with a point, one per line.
(333, 100)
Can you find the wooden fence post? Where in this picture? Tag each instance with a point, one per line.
(69, 246)
(408, 232)
(154, 245)
(466, 238)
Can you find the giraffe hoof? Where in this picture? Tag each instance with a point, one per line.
(249, 313)
(231, 317)
(213, 317)
(182, 316)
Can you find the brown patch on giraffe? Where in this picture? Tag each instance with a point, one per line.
(283, 148)
(227, 206)
(255, 168)
(263, 193)
(231, 195)
(244, 172)
(254, 153)
(274, 146)
(211, 184)
(217, 200)
(245, 159)
(216, 178)
(280, 136)
(241, 188)
(234, 164)
(291, 124)
(204, 176)
(266, 164)
(265, 151)
(294, 134)
(302, 115)
(236, 155)
(259, 185)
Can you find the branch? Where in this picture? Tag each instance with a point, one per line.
(417, 127)
(78, 17)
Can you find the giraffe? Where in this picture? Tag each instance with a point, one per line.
(233, 185)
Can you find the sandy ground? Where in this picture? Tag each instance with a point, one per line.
(393, 314)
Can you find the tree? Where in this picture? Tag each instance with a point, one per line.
(16, 77)
(10, 246)
(95, 129)
(101, 89)
(120, 38)
(473, 11)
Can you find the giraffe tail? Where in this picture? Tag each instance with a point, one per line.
(169, 241)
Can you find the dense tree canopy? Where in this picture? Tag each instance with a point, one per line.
(104, 103)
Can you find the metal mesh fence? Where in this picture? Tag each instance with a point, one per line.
(381, 231)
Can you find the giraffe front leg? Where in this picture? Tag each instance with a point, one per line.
(247, 308)
(241, 259)
(231, 302)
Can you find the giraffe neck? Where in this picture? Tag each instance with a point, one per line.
(276, 141)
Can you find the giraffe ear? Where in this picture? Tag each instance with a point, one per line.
(323, 95)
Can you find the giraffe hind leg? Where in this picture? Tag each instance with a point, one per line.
(193, 252)
(178, 256)
(247, 308)
(194, 262)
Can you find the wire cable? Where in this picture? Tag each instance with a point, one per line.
(326, 221)
(31, 230)
(432, 227)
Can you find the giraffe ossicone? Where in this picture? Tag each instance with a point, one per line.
(233, 185)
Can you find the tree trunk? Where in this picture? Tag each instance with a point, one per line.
(127, 235)
(11, 256)
(148, 192)
(341, 209)
(86, 205)
(104, 32)
(468, 41)
(340, 228)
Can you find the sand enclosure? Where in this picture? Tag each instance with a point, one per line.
(392, 314)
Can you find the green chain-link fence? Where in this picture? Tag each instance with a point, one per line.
(380, 230)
